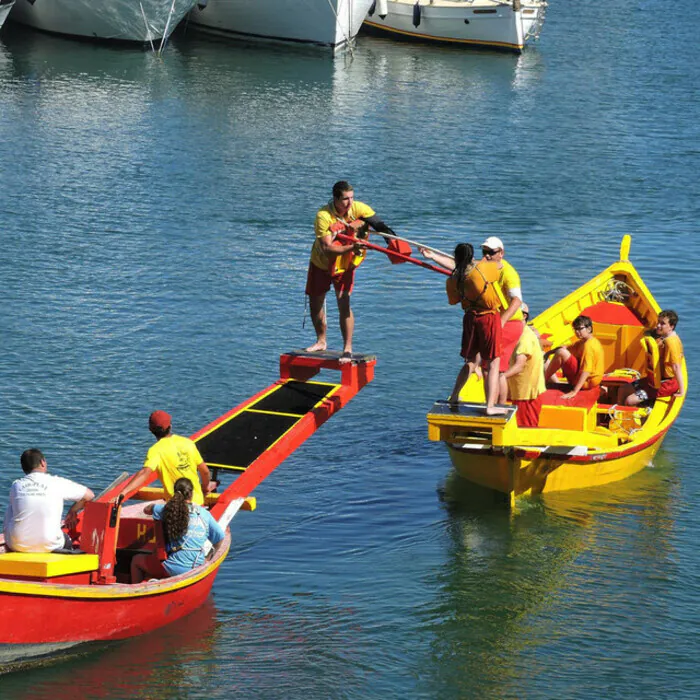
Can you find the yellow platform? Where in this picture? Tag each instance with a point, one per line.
(46, 564)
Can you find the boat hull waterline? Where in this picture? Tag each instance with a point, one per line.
(326, 23)
(5, 7)
(57, 617)
(140, 21)
(482, 23)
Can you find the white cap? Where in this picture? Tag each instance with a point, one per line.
(493, 243)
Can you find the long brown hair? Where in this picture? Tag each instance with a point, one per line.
(464, 257)
(176, 513)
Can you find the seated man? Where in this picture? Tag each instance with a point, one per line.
(525, 377)
(670, 359)
(582, 362)
(33, 516)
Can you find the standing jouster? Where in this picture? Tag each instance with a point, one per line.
(327, 265)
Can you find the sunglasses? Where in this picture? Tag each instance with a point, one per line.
(488, 251)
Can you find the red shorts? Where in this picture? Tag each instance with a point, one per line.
(647, 393)
(511, 335)
(528, 413)
(318, 281)
(668, 388)
(481, 335)
(570, 370)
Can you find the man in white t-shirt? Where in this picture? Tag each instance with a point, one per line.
(33, 517)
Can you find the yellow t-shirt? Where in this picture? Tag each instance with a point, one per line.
(529, 383)
(591, 359)
(325, 218)
(510, 279)
(672, 353)
(173, 457)
(479, 291)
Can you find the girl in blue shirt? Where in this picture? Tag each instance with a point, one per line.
(187, 528)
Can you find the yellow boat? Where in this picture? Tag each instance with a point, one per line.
(573, 446)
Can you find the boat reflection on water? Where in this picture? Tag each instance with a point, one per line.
(525, 586)
(167, 659)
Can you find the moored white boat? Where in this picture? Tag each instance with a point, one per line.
(499, 24)
(5, 7)
(141, 21)
(326, 23)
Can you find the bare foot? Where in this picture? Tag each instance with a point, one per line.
(496, 411)
(345, 358)
(318, 346)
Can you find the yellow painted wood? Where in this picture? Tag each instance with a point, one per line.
(592, 453)
(46, 564)
(155, 493)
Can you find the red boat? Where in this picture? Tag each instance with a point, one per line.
(55, 601)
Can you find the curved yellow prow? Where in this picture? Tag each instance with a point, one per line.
(625, 248)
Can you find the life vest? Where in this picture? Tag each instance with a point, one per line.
(478, 293)
(342, 263)
(653, 366)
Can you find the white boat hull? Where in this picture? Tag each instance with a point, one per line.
(124, 20)
(328, 23)
(5, 8)
(479, 23)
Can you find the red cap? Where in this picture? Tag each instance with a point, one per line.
(159, 420)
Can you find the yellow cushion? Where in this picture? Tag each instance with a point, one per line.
(46, 564)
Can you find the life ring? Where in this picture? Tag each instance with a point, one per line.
(653, 366)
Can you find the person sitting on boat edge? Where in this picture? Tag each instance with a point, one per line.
(472, 285)
(33, 516)
(582, 362)
(670, 360)
(525, 378)
(171, 457)
(341, 208)
(187, 528)
(512, 319)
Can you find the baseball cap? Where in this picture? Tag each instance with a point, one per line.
(493, 243)
(160, 420)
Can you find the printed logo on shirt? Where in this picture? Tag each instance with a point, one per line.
(183, 461)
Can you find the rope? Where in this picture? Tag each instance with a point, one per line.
(617, 290)
(348, 40)
(148, 29)
(616, 420)
(164, 38)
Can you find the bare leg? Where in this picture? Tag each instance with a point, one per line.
(145, 566)
(318, 318)
(462, 377)
(492, 388)
(502, 388)
(347, 325)
(561, 355)
(627, 396)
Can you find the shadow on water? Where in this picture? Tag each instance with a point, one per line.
(510, 576)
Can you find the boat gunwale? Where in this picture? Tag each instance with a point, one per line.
(520, 452)
(116, 591)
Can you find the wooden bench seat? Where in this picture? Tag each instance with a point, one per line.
(46, 564)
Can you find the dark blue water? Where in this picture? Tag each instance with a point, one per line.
(156, 217)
